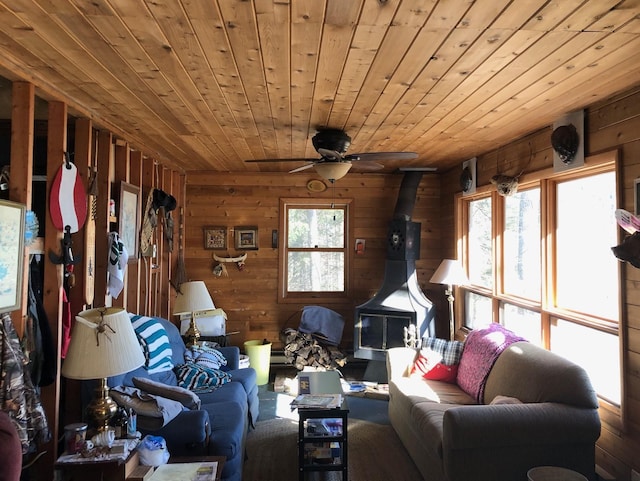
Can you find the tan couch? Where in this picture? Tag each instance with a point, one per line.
(452, 438)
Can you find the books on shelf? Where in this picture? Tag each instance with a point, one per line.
(317, 401)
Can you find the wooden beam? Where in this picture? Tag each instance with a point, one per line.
(53, 275)
(121, 174)
(102, 215)
(149, 262)
(20, 185)
(135, 268)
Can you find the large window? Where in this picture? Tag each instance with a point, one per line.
(587, 272)
(315, 250)
(540, 263)
(522, 244)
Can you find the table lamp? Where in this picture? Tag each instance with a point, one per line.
(103, 344)
(192, 298)
(451, 274)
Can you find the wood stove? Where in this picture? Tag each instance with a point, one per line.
(399, 304)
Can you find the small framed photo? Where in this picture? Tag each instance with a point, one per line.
(246, 237)
(215, 237)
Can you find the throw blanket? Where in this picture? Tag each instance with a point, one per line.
(322, 322)
(481, 350)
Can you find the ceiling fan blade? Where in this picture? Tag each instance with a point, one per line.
(382, 156)
(300, 169)
(330, 155)
(367, 166)
(282, 160)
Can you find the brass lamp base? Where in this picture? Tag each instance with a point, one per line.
(102, 408)
(193, 333)
(452, 324)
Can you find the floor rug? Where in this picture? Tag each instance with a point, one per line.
(375, 453)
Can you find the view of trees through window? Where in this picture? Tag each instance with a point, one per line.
(565, 297)
(316, 249)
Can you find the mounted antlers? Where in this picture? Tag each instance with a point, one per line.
(220, 269)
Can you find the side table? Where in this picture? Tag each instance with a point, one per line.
(322, 440)
(116, 467)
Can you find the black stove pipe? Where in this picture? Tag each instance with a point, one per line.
(407, 195)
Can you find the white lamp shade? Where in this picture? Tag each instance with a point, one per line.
(449, 272)
(103, 344)
(193, 297)
(333, 170)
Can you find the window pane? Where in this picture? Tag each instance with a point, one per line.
(477, 311)
(315, 228)
(597, 352)
(315, 271)
(587, 271)
(522, 244)
(523, 322)
(480, 253)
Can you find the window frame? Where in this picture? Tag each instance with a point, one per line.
(546, 180)
(285, 296)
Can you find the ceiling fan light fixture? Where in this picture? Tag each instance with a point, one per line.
(332, 171)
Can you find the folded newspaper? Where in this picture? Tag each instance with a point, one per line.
(317, 401)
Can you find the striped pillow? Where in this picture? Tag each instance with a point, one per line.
(198, 378)
(155, 343)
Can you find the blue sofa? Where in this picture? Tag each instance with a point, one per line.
(220, 426)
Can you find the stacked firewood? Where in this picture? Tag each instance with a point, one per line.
(303, 349)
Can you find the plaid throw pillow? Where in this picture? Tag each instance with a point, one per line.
(451, 351)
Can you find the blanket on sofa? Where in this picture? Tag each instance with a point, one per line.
(481, 349)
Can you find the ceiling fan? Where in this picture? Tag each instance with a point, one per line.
(334, 162)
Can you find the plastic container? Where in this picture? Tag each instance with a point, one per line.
(244, 362)
(259, 354)
(553, 473)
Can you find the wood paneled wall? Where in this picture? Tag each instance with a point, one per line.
(610, 125)
(250, 297)
(115, 162)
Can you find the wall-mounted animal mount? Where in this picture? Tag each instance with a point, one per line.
(565, 141)
(506, 185)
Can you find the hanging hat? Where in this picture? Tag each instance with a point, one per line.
(162, 199)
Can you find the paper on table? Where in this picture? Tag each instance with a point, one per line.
(186, 472)
(328, 401)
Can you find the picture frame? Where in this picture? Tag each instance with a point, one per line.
(128, 218)
(12, 224)
(215, 237)
(636, 196)
(246, 237)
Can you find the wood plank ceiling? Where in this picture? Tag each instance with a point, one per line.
(207, 84)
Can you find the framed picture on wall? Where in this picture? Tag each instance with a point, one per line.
(246, 237)
(128, 218)
(12, 222)
(636, 196)
(215, 237)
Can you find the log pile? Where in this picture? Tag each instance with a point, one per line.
(302, 349)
